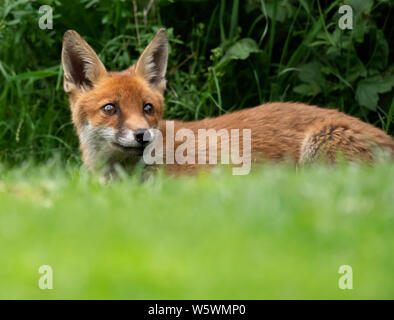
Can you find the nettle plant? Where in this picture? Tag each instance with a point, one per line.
(346, 69)
(350, 64)
(292, 50)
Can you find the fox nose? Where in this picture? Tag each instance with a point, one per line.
(142, 136)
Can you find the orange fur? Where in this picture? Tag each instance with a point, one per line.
(129, 91)
(278, 130)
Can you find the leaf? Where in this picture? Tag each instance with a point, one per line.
(356, 69)
(307, 89)
(242, 49)
(361, 10)
(306, 6)
(360, 6)
(280, 10)
(379, 59)
(367, 93)
(311, 74)
(34, 75)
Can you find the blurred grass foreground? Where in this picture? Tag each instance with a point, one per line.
(277, 233)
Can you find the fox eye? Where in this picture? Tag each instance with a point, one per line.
(109, 109)
(148, 108)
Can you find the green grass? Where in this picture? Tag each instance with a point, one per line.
(276, 233)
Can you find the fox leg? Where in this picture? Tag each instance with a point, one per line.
(324, 142)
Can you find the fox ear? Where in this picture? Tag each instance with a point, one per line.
(82, 67)
(152, 64)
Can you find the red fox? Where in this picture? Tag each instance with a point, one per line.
(117, 115)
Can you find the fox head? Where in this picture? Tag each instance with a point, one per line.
(114, 113)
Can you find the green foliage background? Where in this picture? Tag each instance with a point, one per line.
(225, 55)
